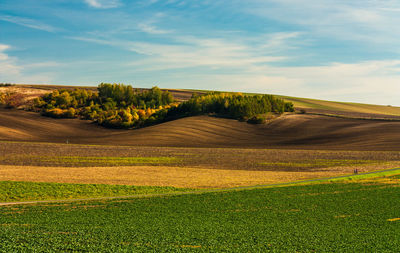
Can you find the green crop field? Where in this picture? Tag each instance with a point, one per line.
(361, 216)
(24, 191)
(342, 106)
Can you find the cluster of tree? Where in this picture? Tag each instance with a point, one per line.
(231, 105)
(125, 95)
(121, 106)
(114, 105)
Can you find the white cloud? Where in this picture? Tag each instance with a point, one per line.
(103, 4)
(152, 29)
(28, 23)
(150, 25)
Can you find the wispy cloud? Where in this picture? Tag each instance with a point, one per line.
(189, 51)
(27, 22)
(152, 29)
(103, 4)
(150, 25)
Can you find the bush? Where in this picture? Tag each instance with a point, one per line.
(54, 113)
(258, 119)
(302, 111)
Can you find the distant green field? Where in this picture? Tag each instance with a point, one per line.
(329, 217)
(11, 191)
(342, 106)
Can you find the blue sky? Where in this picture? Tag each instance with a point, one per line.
(329, 49)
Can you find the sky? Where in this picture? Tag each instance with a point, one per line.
(328, 49)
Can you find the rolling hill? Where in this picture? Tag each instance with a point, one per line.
(288, 131)
(346, 109)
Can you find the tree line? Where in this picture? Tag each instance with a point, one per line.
(122, 106)
(231, 105)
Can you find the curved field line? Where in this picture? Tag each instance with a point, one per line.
(197, 191)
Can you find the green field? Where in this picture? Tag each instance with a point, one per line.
(11, 191)
(342, 106)
(361, 216)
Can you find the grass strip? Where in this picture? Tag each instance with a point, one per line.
(376, 175)
(14, 191)
(321, 163)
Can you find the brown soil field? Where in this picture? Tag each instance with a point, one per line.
(159, 176)
(71, 155)
(294, 131)
(194, 168)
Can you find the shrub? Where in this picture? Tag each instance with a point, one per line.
(258, 119)
(54, 113)
(302, 111)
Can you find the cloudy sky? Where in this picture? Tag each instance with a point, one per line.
(329, 49)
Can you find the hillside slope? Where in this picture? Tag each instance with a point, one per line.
(344, 108)
(289, 131)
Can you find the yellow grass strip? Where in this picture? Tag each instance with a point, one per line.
(157, 176)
